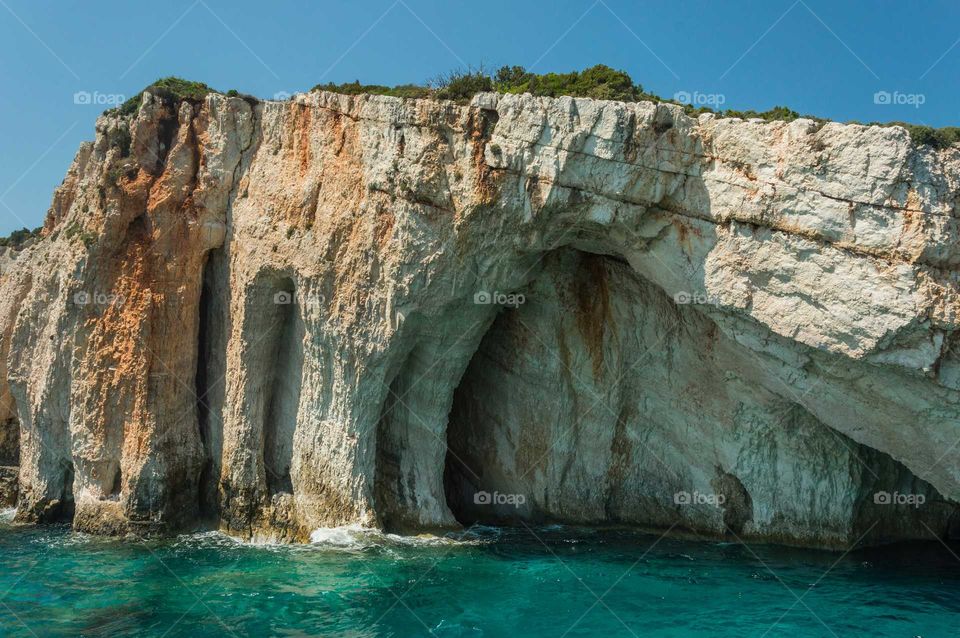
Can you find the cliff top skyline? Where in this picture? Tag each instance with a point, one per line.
(835, 61)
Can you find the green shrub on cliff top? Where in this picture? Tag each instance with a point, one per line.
(170, 88)
(19, 237)
(461, 85)
(355, 88)
(599, 82)
(936, 137)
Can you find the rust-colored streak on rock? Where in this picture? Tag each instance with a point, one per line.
(480, 128)
(394, 223)
(592, 310)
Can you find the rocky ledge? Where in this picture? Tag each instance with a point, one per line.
(271, 317)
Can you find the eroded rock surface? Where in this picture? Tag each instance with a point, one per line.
(273, 317)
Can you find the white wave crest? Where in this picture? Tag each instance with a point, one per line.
(344, 536)
(354, 537)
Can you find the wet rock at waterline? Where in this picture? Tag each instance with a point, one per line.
(273, 317)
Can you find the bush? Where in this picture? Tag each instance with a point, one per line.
(355, 88)
(120, 138)
(599, 82)
(172, 89)
(776, 114)
(19, 237)
(925, 135)
(461, 85)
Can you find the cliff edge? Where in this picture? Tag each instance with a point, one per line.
(278, 316)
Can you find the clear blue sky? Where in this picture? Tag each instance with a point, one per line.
(823, 57)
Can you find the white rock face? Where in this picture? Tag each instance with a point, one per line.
(276, 317)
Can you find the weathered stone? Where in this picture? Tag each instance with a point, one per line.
(8, 486)
(276, 317)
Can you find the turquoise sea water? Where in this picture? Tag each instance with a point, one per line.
(537, 582)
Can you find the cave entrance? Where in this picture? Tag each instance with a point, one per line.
(67, 506)
(462, 484)
(516, 389)
(469, 478)
(604, 400)
(210, 380)
(283, 348)
(9, 456)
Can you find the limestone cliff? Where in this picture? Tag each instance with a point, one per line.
(277, 316)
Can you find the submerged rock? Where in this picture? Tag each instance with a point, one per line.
(361, 310)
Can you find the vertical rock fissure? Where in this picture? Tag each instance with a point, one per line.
(9, 457)
(283, 395)
(202, 389)
(117, 484)
(64, 510)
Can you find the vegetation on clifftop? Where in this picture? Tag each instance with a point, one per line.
(355, 88)
(172, 88)
(18, 238)
(176, 89)
(943, 137)
(598, 82)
